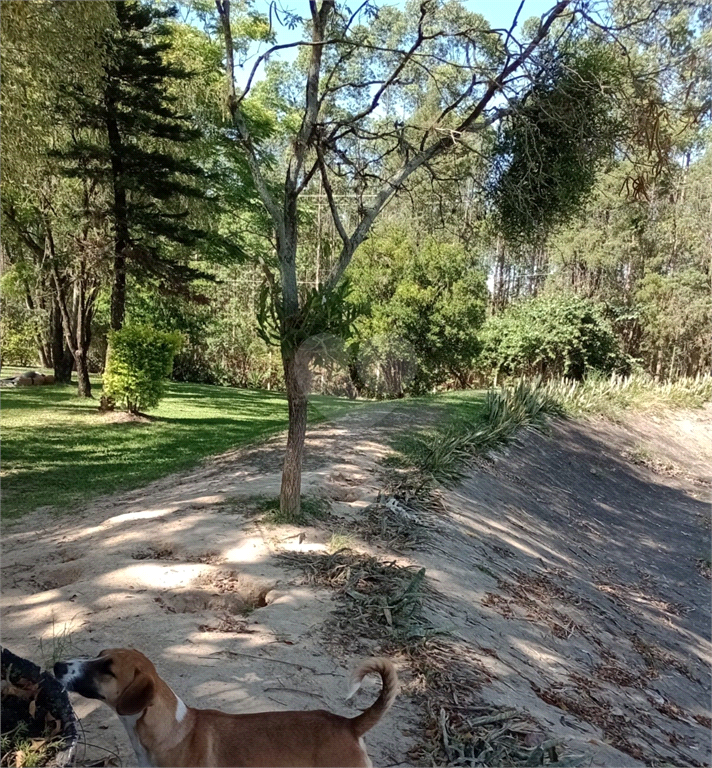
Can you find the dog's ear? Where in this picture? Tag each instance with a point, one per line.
(137, 695)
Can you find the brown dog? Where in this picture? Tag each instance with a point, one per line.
(164, 732)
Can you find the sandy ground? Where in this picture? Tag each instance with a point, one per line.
(573, 567)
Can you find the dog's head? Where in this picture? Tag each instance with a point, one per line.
(122, 677)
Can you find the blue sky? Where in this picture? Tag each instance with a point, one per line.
(499, 13)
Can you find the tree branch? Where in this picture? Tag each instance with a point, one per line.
(440, 146)
(343, 234)
(223, 7)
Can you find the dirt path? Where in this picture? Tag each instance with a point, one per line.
(572, 568)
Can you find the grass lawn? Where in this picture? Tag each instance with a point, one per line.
(456, 406)
(448, 410)
(58, 450)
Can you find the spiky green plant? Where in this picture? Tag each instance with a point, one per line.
(506, 410)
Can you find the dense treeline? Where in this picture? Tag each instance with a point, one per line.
(535, 246)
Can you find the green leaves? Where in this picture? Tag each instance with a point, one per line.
(554, 141)
(551, 336)
(321, 312)
(429, 298)
(140, 360)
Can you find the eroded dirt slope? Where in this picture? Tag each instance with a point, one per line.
(587, 575)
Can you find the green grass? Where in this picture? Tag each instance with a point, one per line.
(451, 407)
(311, 508)
(59, 451)
(454, 413)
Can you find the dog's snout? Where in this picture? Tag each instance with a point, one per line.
(61, 668)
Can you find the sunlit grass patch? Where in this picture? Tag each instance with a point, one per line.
(59, 451)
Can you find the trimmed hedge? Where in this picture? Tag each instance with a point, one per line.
(140, 361)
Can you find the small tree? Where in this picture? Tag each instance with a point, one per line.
(140, 360)
(354, 65)
(355, 125)
(428, 295)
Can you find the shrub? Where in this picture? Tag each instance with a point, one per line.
(552, 337)
(445, 455)
(140, 360)
(19, 330)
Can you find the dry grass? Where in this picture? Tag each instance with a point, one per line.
(377, 599)
(383, 601)
(536, 594)
(608, 396)
(458, 729)
(641, 456)
(406, 510)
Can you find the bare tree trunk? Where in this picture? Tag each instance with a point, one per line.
(62, 357)
(118, 293)
(83, 382)
(79, 341)
(43, 348)
(499, 301)
(296, 376)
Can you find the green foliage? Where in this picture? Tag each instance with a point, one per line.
(551, 336)
(19, 326)
(18, 336)
(132, 142)
(554, 141)
(46, 47)
(647, 259)
(321, 312)
(445, 455)
(424, 301)
(140, 360)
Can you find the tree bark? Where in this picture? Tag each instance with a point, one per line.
(43, 349)
(62, 357)
(296, 376)
(118, 292)
(83, 382)
(79, 344)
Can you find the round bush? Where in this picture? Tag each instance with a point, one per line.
(140, 360)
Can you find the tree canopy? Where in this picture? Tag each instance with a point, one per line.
(427, 187)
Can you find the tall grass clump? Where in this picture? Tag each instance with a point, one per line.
(505, 412)
(527, 404)
(609, 395)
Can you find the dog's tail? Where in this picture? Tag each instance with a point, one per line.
(369, 717)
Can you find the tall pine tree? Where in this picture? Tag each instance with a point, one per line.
(131, 141)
